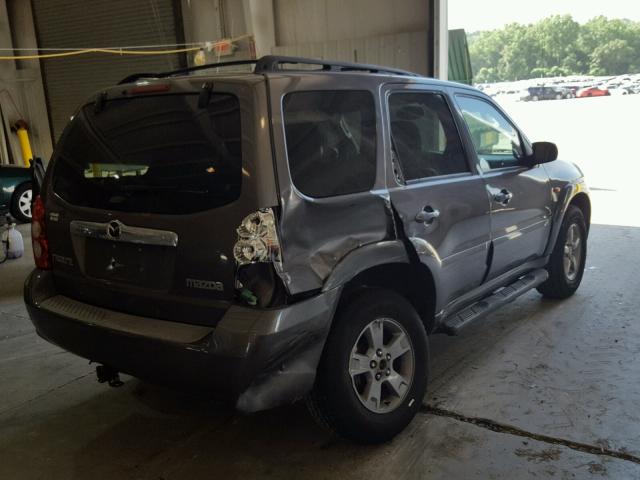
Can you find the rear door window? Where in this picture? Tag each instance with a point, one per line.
(154, 154)
(331, 141)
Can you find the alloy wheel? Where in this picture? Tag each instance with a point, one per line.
(381, 365)
(24, 203)
(572, 252)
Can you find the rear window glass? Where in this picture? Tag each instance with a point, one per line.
(331, 141)
(154, 154)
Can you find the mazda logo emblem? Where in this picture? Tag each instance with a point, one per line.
(114, 229)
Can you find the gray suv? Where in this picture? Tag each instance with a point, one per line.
(295, 232)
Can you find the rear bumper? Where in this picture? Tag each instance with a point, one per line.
(257, 359)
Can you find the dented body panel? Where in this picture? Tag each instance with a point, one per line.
(254, 358)
(316, 233)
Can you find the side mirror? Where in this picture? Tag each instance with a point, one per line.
(543, 152)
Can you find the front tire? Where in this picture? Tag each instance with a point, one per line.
(566, 264)
(21, 203)
(373, 373)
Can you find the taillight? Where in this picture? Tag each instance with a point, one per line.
(258, 239)
(39, 235)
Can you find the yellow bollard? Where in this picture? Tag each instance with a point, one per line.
(23, 137)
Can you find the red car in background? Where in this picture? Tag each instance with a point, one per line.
(592, 92)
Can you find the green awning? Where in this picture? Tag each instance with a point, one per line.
(459, 60)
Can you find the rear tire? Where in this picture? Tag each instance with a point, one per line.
(21, 203)
(566, 264)
(342, 398)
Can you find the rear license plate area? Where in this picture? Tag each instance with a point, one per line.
(145, 266)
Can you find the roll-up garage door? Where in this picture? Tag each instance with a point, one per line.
(100, 23)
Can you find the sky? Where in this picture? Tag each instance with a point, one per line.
(475, 15)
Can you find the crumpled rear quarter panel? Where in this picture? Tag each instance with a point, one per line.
(316, 233)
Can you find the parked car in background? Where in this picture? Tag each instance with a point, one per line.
(572, 89)
(510, 94)
(15, 191)
(592, 92)
(533, 94)
(620, 90)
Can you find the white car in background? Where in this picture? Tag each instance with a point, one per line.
(620, 89)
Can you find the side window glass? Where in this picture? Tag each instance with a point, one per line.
(331, 141)
(496, 141)
(424, 135)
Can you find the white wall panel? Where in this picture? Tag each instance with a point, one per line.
(404, 50)
(306, 21)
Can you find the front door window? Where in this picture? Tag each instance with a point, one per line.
(424, 135)
(497, 142)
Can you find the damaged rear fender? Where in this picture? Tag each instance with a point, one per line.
(391, 264)
(364, 258)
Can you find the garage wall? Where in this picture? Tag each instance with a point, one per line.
(21, 89)
(305, 21)
(387, 32)
(100, 23)
(405, 50)
(391, 33)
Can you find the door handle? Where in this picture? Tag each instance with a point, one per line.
(503, 197)
(427, 215)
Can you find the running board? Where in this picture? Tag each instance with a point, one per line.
(457, 321)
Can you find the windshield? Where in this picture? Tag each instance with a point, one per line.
(153, 154)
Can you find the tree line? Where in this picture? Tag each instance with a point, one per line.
(556, 46)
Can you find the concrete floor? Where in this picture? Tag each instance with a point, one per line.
(541, 389)
(567, 370)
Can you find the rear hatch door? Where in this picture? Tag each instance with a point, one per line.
(147, 193)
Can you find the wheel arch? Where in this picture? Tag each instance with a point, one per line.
(21, 184)
(581, 200)
(413, 281)
(570, 195)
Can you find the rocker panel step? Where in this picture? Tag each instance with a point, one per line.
(458, 320)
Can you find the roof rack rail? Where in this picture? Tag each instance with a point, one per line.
(273, 63)
(137, 76)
